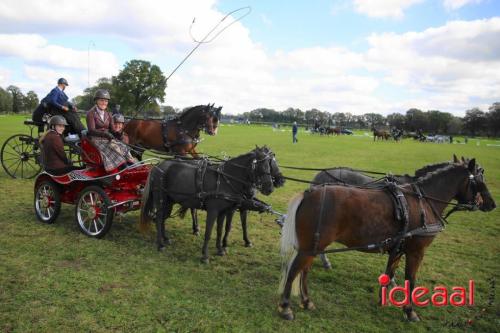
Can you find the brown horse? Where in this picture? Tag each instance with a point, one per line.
(326, 214)
(178, 136)
(380, 134)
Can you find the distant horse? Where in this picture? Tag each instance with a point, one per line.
(333, 130)
(348, 176)
(178, 136)
(198, 184)
(380, 134)
(360, 217)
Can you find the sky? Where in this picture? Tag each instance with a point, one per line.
(355, 56)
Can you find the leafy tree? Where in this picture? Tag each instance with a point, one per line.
(438, 121)
(5, 100)
(474, 121)
(374, 119)
(31, 101)
(17, 98)
(493, 118)
(139, 86)
(415, 119)
(396, 120)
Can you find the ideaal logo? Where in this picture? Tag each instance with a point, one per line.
(440, 296)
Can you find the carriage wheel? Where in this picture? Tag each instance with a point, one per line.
(47, 202)
(92, 214)
(19, 156)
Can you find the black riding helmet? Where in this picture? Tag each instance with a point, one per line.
(57, 120)
(62, 81)
(102, 94)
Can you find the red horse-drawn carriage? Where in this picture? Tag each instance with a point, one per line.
(97, 195)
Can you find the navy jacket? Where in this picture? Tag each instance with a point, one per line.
(57, 99)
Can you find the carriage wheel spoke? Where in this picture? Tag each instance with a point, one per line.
(17, 167)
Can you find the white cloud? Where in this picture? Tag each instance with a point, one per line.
(453, 63)
(384, 8)
(456, 4)
(439, 68)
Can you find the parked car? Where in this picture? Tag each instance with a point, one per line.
(346, 131)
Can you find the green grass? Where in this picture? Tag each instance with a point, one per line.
(54, 279)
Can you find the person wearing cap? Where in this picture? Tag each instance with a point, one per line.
(57, 104)
(54, 158)
(100, 130)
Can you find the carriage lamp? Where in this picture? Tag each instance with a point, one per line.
(117, 177)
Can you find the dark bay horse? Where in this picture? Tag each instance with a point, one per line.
(178, 136)
(254, 205)
(348, 176)
(359, 217)
(216, 188)
(380, 134)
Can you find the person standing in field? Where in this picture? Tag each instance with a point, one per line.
(295, 129)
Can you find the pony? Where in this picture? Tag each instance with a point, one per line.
(255, 205)
(365, 220)
(348, 176)
(216, 188)
(178, 136)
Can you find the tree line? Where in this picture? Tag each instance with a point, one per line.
(139, 90)
(475, 121)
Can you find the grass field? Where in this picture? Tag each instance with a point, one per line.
(54, 279)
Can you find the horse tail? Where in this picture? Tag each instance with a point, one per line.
(146, 203)
(289, 244)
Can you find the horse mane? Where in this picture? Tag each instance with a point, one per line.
(432, 174)
(429, 168)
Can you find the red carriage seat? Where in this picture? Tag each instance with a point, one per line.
(90, 154)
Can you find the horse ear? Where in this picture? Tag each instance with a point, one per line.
(455, 159)
(472, 165)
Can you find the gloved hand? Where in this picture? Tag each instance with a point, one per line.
(109, 136)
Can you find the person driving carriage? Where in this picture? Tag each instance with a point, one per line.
(56, 103)
(54, 158)
(114, 153)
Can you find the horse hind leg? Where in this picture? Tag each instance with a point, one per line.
(306, 303)
(166, 214)
(296, 268)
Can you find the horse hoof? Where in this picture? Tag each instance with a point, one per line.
(249, 244)
(161, 248)
(412, 317)
(327, 266)
(196, 232)
(308, 305)
(205, 260)
(221, 252)
(286, 314)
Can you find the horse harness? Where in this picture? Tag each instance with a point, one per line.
(242, 198)
(182, 136)
(395, 245)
